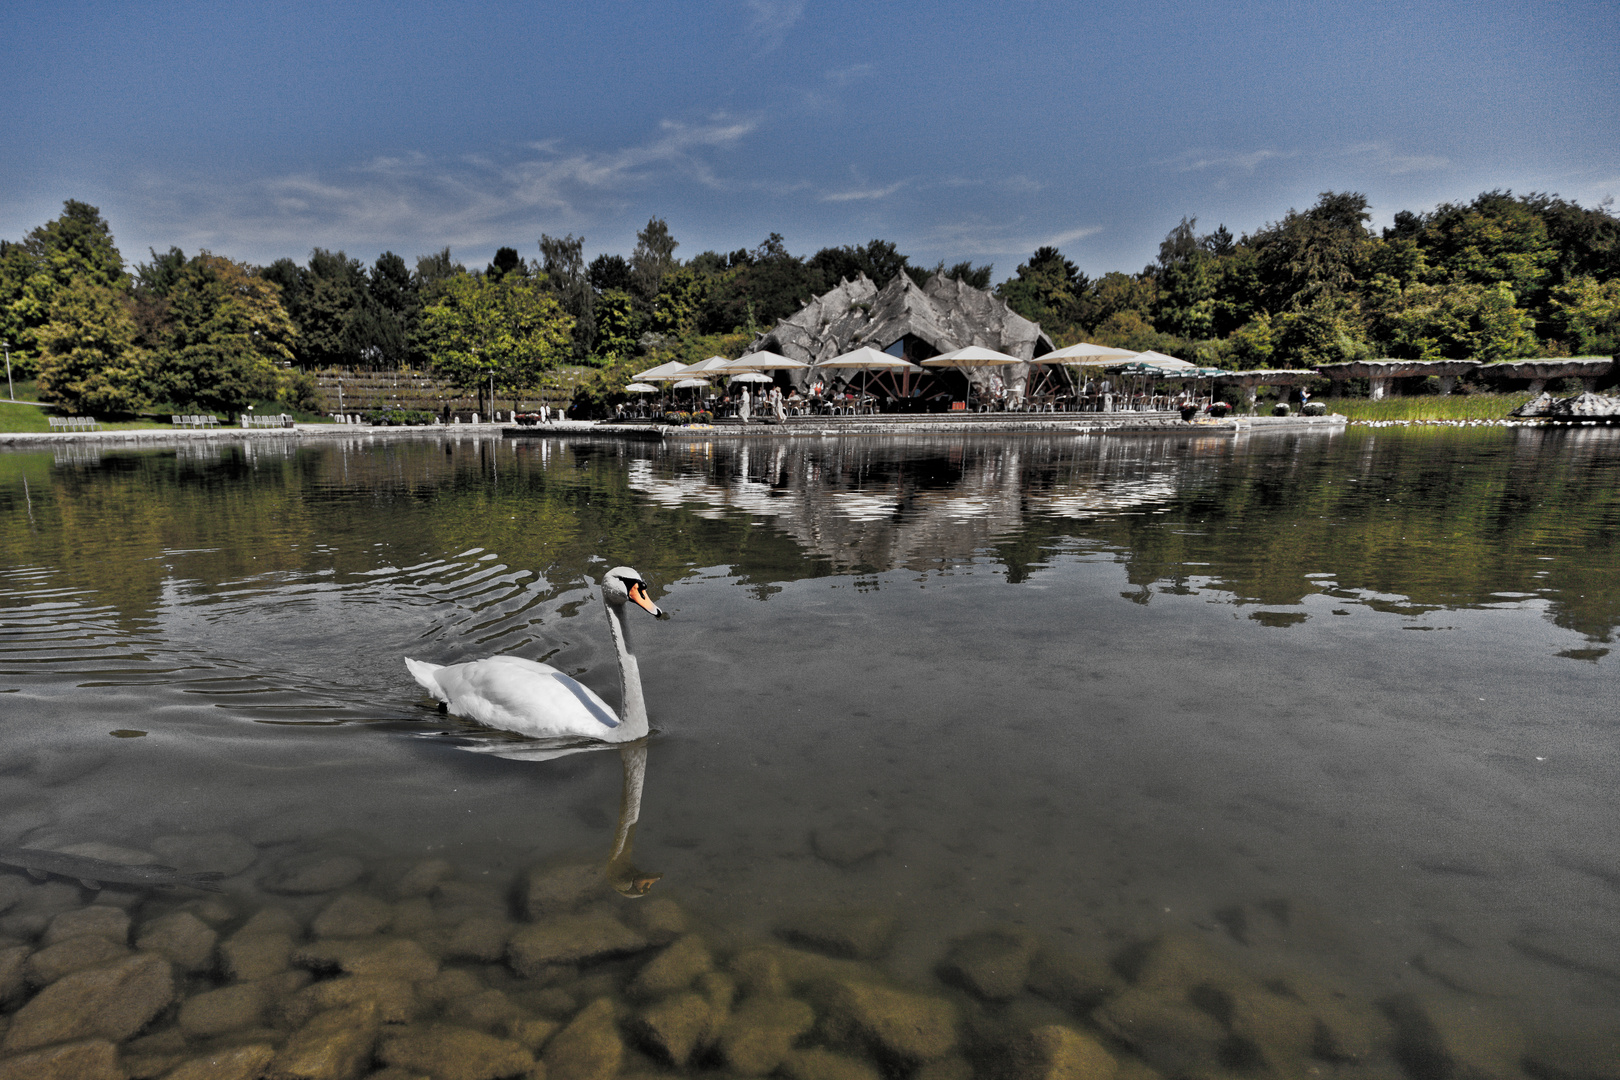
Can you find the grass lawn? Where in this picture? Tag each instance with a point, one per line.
(1451, 407)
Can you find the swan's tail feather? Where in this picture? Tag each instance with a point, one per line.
(424, 673)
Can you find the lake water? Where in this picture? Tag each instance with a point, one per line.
(1339, 704)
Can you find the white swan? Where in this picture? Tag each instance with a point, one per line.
(535, 699)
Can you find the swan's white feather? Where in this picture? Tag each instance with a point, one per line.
(515, 694)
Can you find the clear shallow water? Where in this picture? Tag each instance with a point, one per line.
(1093, 688)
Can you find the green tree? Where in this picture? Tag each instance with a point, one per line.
(1327, 331)
(229, 337)
(1585, 314)
(1047, 289)
(1313, 256)
(1185, 301)
(1457, 321)
(617, 327)
(512, 327)
(653, 258)
(564, 263)
(1494, 239)
(90, 362)
(76, 247)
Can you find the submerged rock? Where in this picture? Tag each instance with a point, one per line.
(92, 1060)
(677, 1027)
(184, 939)
(673, 969)
(896, 1024)
(230, 1008)
(335, 1045)
(853, 934)
(12, 964)
(660, 920)
(818, 1064)
(571, 940)
(312, 874)
(394, 999)
(98, 920)
(390, 958)
(423, 878)
(848, 843)
(447, 1052)
(1058, 1052)
(482, 937)
(992, 966)
(758, 1035)
(75, 954)
(589, 1048)
(1169, 1033)
(559, 890)
(1445, 1036)
(353, 915)
(236, 1063)
(112, 1002)
(256, 955)
(1075, 981)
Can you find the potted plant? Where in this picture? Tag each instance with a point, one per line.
(1218, 410)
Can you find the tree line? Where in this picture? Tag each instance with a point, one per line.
(1499, 277)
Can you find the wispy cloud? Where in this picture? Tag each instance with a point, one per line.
(1207, 161)
(1382, 157)
(470, 201)
(858, 194)
(852, 74)
(977, 238)
(770, 20)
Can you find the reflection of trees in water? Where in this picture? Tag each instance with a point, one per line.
(1424, 518)
(1416, 518)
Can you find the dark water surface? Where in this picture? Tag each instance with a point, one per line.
(1335, 703)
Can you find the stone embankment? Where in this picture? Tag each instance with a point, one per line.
(337, 962)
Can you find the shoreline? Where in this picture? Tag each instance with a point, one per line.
(794, 427)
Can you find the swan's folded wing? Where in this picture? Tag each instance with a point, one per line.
(525, 696)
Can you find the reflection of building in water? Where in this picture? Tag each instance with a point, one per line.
(910, 502)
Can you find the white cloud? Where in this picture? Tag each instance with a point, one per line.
(770, 20)
(858, 194)
(852, 74)
(473, 201)
(1381, 157)
(1205, 160)
(979, 239)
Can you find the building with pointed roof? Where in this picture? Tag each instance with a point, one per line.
(906, 320)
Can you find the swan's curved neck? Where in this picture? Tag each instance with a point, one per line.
(633, 716)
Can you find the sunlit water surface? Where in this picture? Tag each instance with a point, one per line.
(1093, 688)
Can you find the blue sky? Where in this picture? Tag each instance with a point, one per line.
(955, 130)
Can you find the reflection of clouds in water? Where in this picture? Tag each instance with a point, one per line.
(1090, 502)
(860, 506)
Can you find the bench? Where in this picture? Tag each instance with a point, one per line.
(280, 421)
(193, 421)
(74, 423)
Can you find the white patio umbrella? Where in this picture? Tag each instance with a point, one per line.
(1158, 361)
(752, 376)
(867, 358)
(972, 356)
(713, 364)
(760, 361)
(1085, 353)
(666, 372)
(691, 384)
(640, 388)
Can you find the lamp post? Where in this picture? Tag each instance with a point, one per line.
(492, 395)
(6, 345)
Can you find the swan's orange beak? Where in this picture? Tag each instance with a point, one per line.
(638, 593)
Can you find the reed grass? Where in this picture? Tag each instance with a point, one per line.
(1429, 407)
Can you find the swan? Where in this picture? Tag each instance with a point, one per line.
(537, 700)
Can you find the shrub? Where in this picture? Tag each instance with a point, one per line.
(703, 416)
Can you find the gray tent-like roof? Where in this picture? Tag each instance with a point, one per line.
(942, 316)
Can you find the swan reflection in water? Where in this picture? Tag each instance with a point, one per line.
(561, 716)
